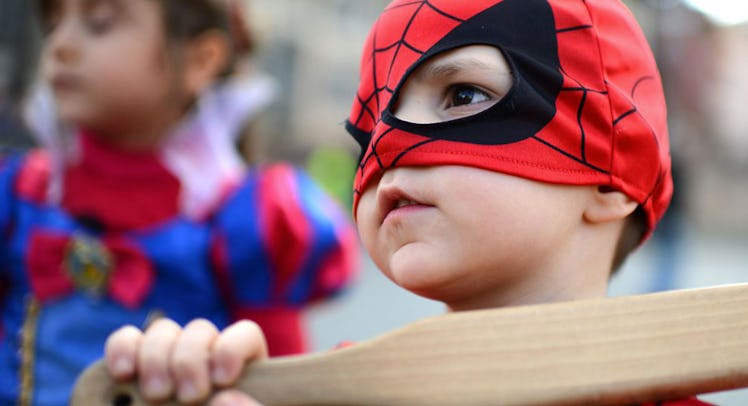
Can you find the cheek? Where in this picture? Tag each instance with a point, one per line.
(496, 217)
(365, 221)
(134, 73)
(128, 58)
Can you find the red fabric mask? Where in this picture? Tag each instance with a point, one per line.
(586, 107)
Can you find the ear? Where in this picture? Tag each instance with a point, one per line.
(206, 57)
(609, 205)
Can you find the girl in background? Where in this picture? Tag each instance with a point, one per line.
(138, 205)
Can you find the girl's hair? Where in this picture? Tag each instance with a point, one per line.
(185, 20)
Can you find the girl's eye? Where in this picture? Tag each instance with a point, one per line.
(464, 95)
(100, 25)
(101, 19)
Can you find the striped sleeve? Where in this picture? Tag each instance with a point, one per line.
(310, 242)
(282, 243)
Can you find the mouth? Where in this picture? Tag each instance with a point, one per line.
(392, 200)
(64, 82)
(404, 203)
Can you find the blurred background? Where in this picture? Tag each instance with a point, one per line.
(312, 49)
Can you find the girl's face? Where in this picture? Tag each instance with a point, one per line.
(107, 64)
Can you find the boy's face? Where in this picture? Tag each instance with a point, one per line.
(106, 62)
(461, 234)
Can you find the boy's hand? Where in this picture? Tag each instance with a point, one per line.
(189, 362)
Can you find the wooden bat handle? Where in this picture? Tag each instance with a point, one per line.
(627, 350)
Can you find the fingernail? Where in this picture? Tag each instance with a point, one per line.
(220, 376)
(187, 392)
(157, 387)
(123, 367)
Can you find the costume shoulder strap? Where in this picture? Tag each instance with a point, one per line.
(32, 176)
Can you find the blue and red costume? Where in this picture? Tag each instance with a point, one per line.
(116, 250)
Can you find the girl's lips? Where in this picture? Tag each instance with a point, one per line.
(63, 82)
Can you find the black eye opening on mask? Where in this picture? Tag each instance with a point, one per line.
(525, 32)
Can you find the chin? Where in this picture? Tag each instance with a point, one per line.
(422, 278)
(74, 116)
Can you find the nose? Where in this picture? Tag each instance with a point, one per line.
(387, 176)
(398, 174)
(63, 43)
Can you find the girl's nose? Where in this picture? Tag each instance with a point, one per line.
(63, 43)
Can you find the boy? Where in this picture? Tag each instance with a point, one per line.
(514, 152)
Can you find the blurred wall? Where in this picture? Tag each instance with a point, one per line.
(313, 49)
(17, 57)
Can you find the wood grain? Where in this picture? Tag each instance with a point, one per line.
(613, 351)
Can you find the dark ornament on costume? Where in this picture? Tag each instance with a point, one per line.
(89, 264)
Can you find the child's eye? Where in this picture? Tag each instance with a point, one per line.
(463, 95)
(101, 18)
(99, 25)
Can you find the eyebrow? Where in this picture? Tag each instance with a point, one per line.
(451, 67)
(91, 3)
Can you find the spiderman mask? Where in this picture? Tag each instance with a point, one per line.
(586, 105)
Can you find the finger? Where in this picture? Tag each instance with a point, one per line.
(190, 361)
(153, 359)
(120, 352)
(233, 398)
(241, 342)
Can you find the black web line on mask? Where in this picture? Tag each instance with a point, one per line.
(580, 113)
(582, 159)
(374, 154)
(661, 171)
(633, 97)
(398, 45)
(401, 42)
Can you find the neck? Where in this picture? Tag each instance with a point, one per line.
(553, 288)
(131, 138)
(144, 134)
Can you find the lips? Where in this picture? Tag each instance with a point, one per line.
(392, 199)
(65, 82)
(403, 203)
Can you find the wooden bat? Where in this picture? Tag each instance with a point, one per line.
(626, 350)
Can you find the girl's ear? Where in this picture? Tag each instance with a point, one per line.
(206, 57)
(608, 205)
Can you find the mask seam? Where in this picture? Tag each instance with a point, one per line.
(494, 157)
